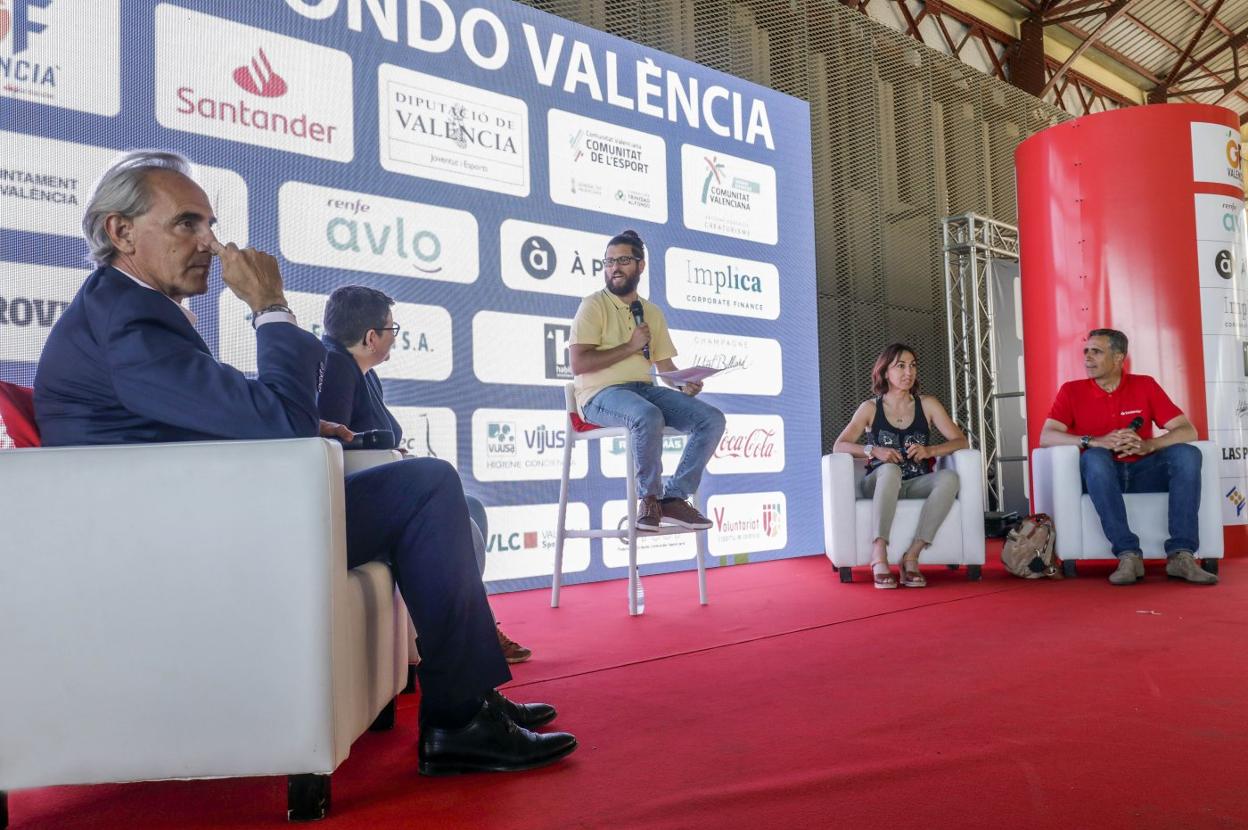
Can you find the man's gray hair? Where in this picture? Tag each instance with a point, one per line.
(1117, 340)
(123, 189)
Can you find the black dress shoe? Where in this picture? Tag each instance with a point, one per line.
(528, 715)
(491, 742)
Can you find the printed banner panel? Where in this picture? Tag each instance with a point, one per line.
(471, 161)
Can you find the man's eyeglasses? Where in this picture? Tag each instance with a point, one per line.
(392, 329)
(619, 260)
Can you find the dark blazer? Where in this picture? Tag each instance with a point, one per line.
(123, 365)
(351, 397)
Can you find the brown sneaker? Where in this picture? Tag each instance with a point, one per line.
(1183, 566)
(649, 514)
(682, 513)
(512, 651)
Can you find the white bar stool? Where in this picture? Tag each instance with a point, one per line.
(562, 532)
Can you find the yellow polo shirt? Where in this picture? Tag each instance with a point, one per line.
(603, 320)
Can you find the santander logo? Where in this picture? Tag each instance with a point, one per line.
(259, 77)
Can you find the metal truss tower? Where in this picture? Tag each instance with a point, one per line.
(971, 243)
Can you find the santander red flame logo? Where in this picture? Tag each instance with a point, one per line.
(259, 78)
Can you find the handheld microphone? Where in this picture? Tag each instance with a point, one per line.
(639, 318)
(1136, 423)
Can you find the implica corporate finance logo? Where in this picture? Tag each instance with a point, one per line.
(301, 103)
(62, 53)
(720, 284)
(335, 228)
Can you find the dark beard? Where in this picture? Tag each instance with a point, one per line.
(625, 289)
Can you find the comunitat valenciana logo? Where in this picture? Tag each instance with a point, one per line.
(720, 189)
(1233, 154)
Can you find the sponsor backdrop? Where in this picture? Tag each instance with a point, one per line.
(471, 160)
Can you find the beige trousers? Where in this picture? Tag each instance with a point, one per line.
(884, 487)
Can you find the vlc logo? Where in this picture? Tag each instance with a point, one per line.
(259, 78)
(19, 23)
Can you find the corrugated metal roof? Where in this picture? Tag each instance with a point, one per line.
(1149, 37)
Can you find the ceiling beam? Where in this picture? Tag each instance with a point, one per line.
(1066, 18)
(1191, 44)
(1235, 41)
(1118, 8)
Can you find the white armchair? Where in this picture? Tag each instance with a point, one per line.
(1057, 489)
(185, 611)
(847, 532)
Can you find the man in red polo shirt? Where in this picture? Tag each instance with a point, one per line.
(1096, 415)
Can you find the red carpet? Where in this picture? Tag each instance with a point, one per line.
(795, 701)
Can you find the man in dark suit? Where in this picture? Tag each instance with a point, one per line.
(124, 364)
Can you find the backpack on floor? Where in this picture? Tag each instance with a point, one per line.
(1028, 549)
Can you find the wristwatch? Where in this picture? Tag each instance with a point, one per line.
(274, 307)
(1084, 441)
(870, 448)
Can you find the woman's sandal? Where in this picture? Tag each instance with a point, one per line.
(910, 576)
(884, 579)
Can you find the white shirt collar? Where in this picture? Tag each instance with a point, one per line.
(190, 315)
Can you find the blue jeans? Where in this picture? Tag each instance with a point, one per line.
(1175, 469)
(645, 409)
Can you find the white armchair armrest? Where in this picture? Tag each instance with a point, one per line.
(839, 495)
(180, 611)
(970, 469)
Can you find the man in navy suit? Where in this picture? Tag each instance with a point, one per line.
(124, 364)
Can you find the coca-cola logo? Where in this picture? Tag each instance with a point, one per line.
(755, 443)
(259, 77)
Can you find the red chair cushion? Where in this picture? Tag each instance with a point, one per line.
(579, 424)
(17, 413)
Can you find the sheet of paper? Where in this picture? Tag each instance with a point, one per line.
(693, 373)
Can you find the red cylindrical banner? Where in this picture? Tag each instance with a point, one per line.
(1133, 219)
